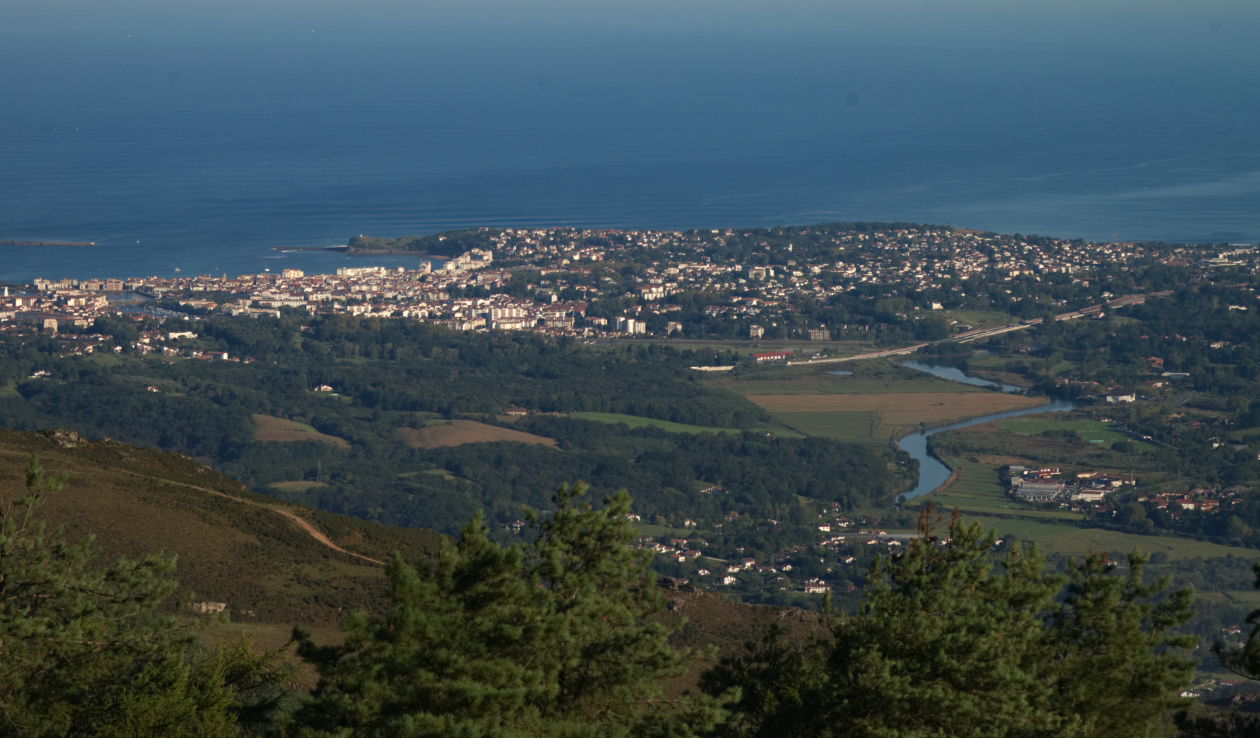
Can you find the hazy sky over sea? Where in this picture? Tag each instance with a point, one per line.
(225, 126)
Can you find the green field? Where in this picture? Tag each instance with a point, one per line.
(1237, 435)
(977, 489)
(634, 421)
(656, 531)
(823, 384)
(1093, 431)
(856, 426)
(105, 359)
(9, 390)
(1073, 541)
(980, 318)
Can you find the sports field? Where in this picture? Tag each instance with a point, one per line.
(635, 421)
(269, 428)
(459, 432)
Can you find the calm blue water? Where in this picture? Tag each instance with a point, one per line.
(955, 374)
(199, 142)
(932, 473)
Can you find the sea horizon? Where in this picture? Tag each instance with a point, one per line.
(191, 142)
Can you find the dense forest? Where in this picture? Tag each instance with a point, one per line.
(391, 376)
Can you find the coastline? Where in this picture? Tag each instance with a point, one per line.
(76, 244)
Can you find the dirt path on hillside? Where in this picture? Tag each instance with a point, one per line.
(310, 529)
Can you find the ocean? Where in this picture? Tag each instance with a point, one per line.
(199, 146)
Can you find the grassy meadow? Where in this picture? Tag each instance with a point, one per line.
(459, 432)
(975, 489)
(1092, 431)
(634, 421)
(268, 428)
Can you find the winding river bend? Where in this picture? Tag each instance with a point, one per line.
(932, 473)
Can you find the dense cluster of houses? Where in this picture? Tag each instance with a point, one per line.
(916, 258)
(1198, 499)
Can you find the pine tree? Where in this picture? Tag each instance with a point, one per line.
(550, 639)
(1115, 662)
(948, 644)
(1244, 661)
(84, 651)
(945, 645)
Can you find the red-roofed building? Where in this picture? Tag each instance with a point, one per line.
(774, 356)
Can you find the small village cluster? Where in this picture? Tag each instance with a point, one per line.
(837, 543)
(1090, 488)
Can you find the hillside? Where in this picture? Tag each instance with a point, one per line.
(270, 561)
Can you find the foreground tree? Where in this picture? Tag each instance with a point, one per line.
(85, 652)
(1244, 662)
(945, 644)
(550, 639)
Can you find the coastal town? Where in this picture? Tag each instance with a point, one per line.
(783, 283)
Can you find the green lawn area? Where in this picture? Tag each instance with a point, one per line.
(980, 318)
(655, 531)
(9, 390)
(977, 489)
(1093, 431)
(1074, 541)
(634, 421)
(105, 359)
(1237, 435)
(856, 426)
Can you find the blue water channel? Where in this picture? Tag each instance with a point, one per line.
(932, 473)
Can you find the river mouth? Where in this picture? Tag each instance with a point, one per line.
(932, 473)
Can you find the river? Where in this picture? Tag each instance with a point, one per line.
(932, 473)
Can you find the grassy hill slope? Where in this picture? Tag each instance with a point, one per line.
(277, 564)
(250, 551)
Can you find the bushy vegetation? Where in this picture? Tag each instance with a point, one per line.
(556, 637)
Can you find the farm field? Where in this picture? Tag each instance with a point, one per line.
(884, 415)
(635, 421)
(1093, 431)
(976, 488)
(296, 486)
(459, 432)
(269, 428)
(816, 382)
(1073, 541)
(854, 426)
(9, 390)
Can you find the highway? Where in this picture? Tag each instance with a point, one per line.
(973, 335)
